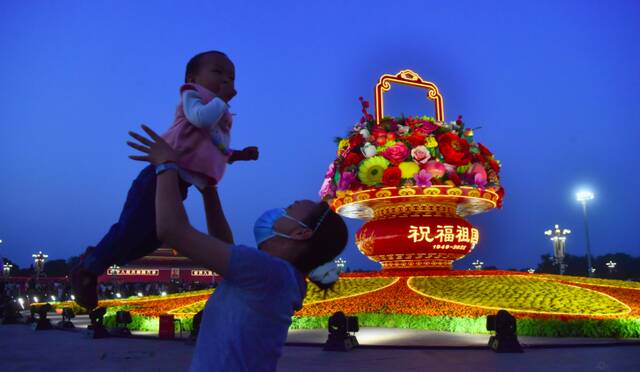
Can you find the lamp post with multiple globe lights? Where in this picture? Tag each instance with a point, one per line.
(558, 236)
(39, 259)
(6, 269)
(583, 197)
(477, 264)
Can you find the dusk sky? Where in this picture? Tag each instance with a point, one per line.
(555, 86)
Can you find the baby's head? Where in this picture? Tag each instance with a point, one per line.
(212, 70)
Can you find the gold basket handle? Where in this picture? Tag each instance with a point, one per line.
(407, 77)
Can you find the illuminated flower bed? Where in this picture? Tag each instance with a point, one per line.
(519, 293)
(545, 305)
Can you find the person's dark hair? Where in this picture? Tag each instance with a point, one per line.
(194, 63)
(326, 243)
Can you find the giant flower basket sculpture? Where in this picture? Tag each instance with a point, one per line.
(413, 179)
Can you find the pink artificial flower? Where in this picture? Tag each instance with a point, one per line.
(345, 180)
(396, 153)
(420, 154)
(330, 171)
(423, 178)
(477, 174)
(436, 168)
(328, 189)
(426, 128)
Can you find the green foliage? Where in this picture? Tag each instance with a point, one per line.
(614, 328)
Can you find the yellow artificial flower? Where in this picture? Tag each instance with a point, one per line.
(385, 146)
(431, 142)
(408, 169)
(344, 143)
(371, 170)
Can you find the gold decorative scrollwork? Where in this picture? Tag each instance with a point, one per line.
(383, 194)
(363, 196)
(407, 191)
(411, 78)
(474, 193)
(431, 191)
(454, 191)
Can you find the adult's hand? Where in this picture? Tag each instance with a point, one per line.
(157, 150)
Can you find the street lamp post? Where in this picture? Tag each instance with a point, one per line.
(115, 270)
(558, 238)
(340, 263)
(477, 264)
(6, 269)
(39, 259)
(583, 197)
(611, 265)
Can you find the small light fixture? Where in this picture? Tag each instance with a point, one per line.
(67, 315)
(123, 319)
(505, 339)
(342, 331)
(43, 323)
(97, 329)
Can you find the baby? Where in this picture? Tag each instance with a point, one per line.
(200, 133)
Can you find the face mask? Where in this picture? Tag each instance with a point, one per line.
(263, 228)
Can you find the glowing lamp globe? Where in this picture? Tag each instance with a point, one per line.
(413, 180)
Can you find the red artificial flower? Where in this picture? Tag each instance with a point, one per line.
(381, 136)
(426, 128)
(392, 176)
(356, 141)
(494, 165)
(353, 158)
(396, 153)
(454, 149)
(416, 139)
(484, 150)
(410, 121)
(478, 158)
(453, 176)
(356, 185)
(459, 120)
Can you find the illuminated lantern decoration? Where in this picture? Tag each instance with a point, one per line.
(410, 226)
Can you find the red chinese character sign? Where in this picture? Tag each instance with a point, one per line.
(413, 179)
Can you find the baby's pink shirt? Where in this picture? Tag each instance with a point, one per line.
(199, 157)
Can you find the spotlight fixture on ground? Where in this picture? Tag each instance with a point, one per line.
(96, 329)
(33, 310)
(341, 332)
(505, 340)
(67, 315)
(43, 323)
(197, 319)
(123, 318)
(11, 312)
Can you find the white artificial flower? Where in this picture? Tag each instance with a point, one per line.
(403, 129)
(365, 133)
(369, 150)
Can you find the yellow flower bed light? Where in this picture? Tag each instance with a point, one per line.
(519, 293)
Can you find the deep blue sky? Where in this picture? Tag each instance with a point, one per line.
(555, 86)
